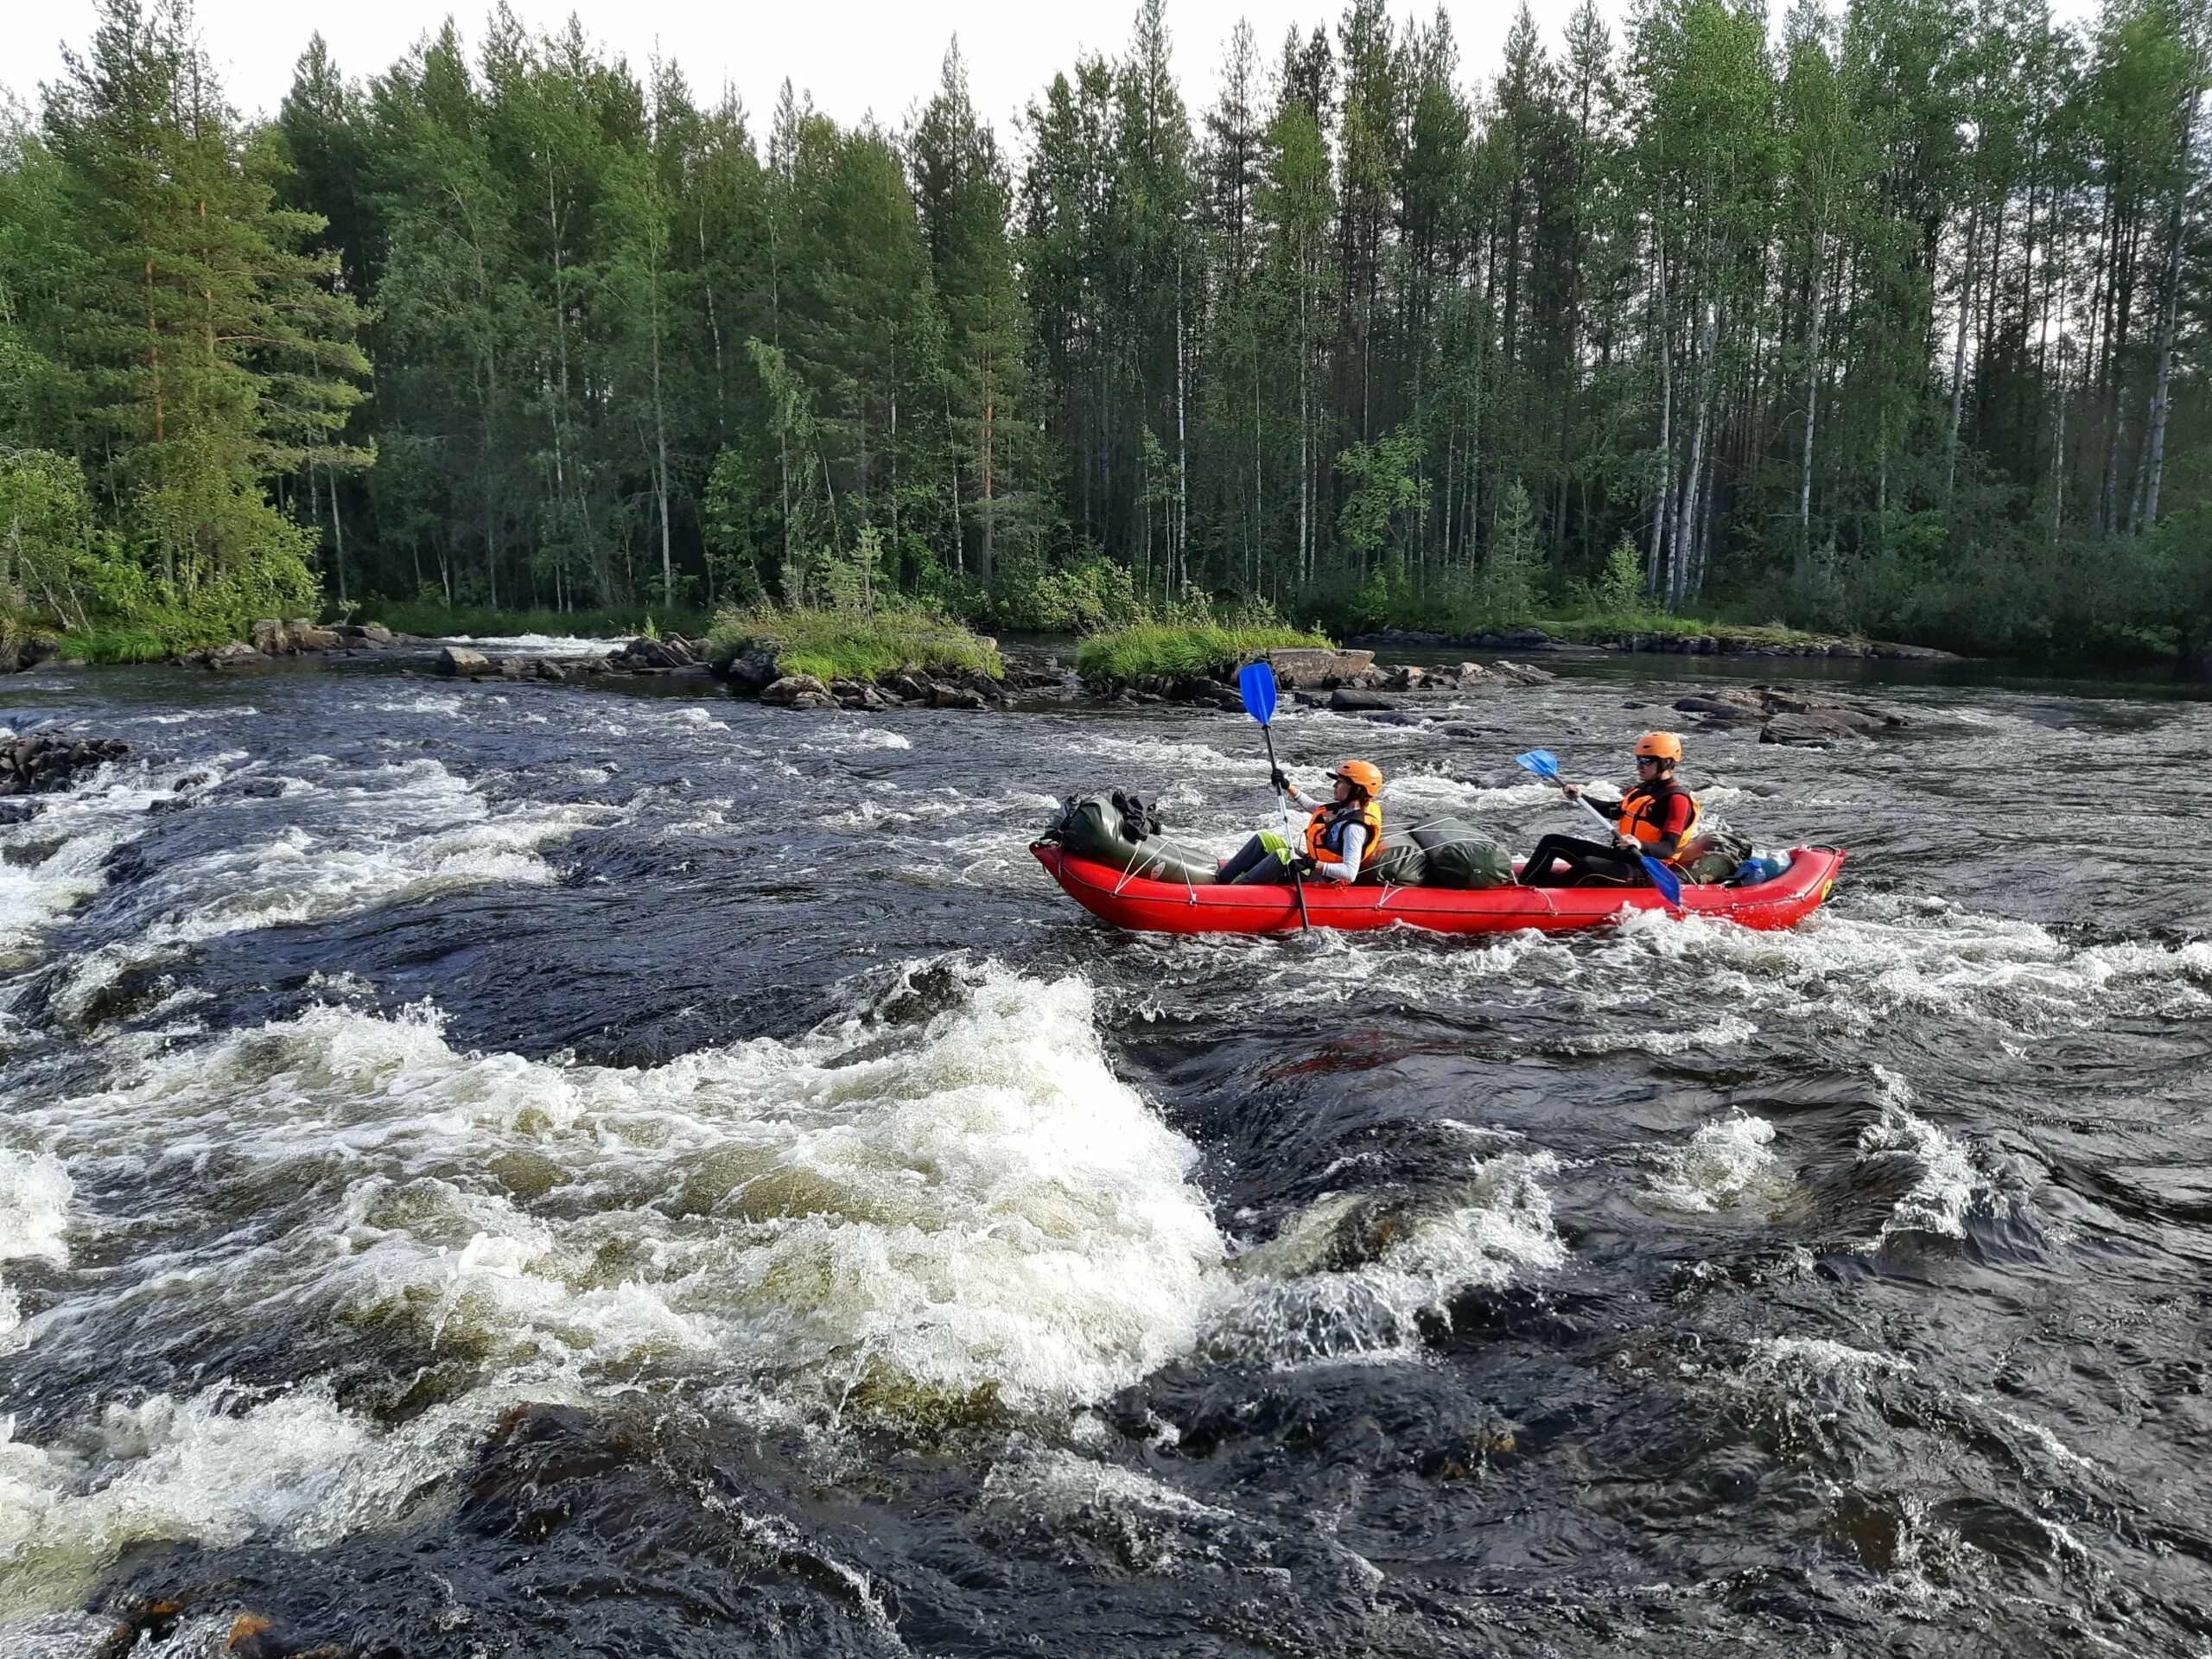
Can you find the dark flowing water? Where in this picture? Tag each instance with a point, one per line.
(531, 1170)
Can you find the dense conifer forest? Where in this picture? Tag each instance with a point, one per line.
(1899, 320)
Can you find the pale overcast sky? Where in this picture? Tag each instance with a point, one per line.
(853, 55)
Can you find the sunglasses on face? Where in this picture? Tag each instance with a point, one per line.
(1648, 760)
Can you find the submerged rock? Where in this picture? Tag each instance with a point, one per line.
(1354, 702)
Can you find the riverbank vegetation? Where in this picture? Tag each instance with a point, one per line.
(1895, 318)
(1182, 649)
(854, 644)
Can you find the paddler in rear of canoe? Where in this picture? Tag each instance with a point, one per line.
(1657, 819)
(1343, 835)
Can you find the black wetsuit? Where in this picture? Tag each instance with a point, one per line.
(1586, 861)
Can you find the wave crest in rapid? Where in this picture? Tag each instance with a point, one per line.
(1353, 1273)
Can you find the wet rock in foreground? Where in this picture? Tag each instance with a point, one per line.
(37, 766)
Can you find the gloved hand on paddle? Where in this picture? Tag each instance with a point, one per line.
(1281, 779)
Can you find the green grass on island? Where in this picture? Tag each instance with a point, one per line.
(853, 645)
(1183, 649)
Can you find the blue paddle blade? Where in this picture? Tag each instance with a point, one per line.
(1669, 884)
(1256, 683)
(1542, 762)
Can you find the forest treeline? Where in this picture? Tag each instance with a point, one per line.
(1899, 322)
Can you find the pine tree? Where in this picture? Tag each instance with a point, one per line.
(214, 350)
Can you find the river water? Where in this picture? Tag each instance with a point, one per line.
(526, 1169)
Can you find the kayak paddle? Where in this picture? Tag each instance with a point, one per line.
(1256, 683)
(1545, 765)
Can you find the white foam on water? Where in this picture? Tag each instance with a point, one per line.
(2051, 1444)
(972, 1213)
(35, 1194)
(419, 830)
(1949, 1186)
(1159, 757)
(54, 862)
(537, 645)
(422, 702)
(1150, 1524)
(1055, 1482)
(216, 1468)
(1408, 798)
(1729, 1164)
(855, 737)
(1287, 1303)
(1729, 1031)
(1890, 957)
(235, 711)
(693, 715)
(982, 1206)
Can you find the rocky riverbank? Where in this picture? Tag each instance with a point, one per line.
(299, 637)
(757, 673)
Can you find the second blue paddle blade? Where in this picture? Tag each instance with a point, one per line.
(1542, 762)
(1256, 683)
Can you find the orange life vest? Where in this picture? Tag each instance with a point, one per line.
(1643, 814)
(1325, 832)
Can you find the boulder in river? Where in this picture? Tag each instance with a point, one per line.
(456, 660)
(16, 655)
(643, 654)
(751, 671)
(1356, 702)
(1819, 726)
(236, 654)
(1317, 666)
(1521, 674)
(798, 691)
(1786, 714)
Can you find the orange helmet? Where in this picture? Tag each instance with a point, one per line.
(1660, 745)
(1362, 774)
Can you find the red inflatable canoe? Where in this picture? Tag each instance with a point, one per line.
(1151, 907)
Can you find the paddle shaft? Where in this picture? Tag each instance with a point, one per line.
(1297, 875)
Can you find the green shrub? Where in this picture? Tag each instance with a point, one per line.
(849, 645)
(1182, 649)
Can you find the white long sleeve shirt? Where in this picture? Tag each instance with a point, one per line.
(1346, 869)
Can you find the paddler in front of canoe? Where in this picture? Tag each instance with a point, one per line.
(1657, 817)
(1342, 834)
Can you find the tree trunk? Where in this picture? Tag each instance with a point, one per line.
(983, 565)
(1812, 402)
(1685, 525)
(1967, 293)
(336, 537)
(1182, 441)
(660, 447)
(1652, 583)
(2161, 401)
